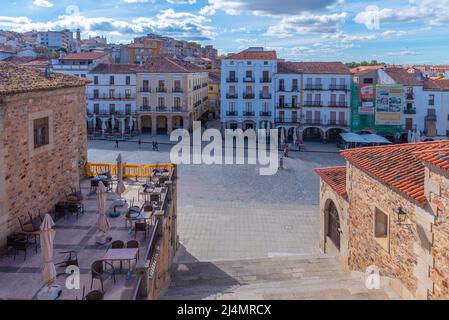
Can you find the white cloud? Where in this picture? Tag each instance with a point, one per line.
(178, 24)
(181, 1)
(404, 53)
(433, 12)
(307, 23)
(269, 7)
(43, 3)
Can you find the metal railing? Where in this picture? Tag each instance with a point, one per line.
(248, 96)
(231, 80)
(248, 113)
(232, 96)
(265, 95)
(129, 170)
(409, 110)
(313, 104)
(232, 113)
(337, 104)
(336, 87)
(314, 87)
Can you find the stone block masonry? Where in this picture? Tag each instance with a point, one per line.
(35, 179)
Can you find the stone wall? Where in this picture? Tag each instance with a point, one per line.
(36, 179)
(398, 259)
(437, 192)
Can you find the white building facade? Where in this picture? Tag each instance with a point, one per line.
(111, 100)
(247, 89)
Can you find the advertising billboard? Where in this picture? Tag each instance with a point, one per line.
(367, 107)
(367, 92)
(389, 99)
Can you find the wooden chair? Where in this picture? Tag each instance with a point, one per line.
(94, 185)
(140, 227)
(29, 230)
(133, 244)
(99, 271)
(74, 208)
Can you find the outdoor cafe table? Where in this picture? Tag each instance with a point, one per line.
(142, 216)
(127, 254)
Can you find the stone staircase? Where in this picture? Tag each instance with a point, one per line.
(295, 277)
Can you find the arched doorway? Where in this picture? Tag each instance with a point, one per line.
(312, 133)
(333, 224)
(161, 125)
(333, 134)
(249, 125)
(146, 124)
(178, 122)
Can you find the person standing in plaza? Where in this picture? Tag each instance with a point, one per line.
(140, 143)
(286, 151)
(116, 143)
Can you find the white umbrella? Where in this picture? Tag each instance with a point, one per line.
(47, 237)
(130, 123)
(112, 122)
(94, 120)
(418, 136)
(122, 127)
(409, 136)
(282, 136)
(103, 223)
(120, 185)
(294, 136)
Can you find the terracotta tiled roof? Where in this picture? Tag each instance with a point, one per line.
(287, 67)
(84, 56)
(214, 76)
(169, 65)
(396, 165)
(438, 158)
(105, 68)
(401, 76)
(436, 85)
(253, 55)
(16, 59)
(324, 67)
(335, 177)
(16, 79)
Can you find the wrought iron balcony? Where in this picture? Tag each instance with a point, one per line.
(314, 87)
(265, 80)
(338, 123)
(231, 80)
(145, 90)
(313, 104)
(265, 113)
(249, 79)
(409, 110)
(161, 89)
(232, 113)
(265, 95)
(248, 96)
(248, 113)
(336, 87)
(338, 104)
(145, 108)
(232, 96)
(177, 90)
(161, 108)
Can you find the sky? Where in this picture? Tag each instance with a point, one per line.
(395, 31)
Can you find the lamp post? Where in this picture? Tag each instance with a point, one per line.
(401, 216)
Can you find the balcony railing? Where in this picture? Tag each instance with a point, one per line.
(145, 90)
(286, 120)
(314, 87)
(232, 113)
(177, 90)
(145, 108)
(339, 123)
(265, 95)
(295, 89)
(409, 110)
(249, 79)
(161, 108)
(248, 113)
(265, 113)
(410, 96)
(248, 96)
(111, 97)
(336, 87)
(287, 106)
(265, 80)
(231, 80)
(197, 87)
(312, 122)
(337, 104)
(161, 89)
(281, 89)
(178, 109)
(205, 85)
(232, 96)
(313, 104)
(431, 117)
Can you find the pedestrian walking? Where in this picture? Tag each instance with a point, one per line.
(140, 143)
(286, 151)
(116, 143)
(156, 146)
(281, 163)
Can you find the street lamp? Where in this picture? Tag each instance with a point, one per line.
(400, 215)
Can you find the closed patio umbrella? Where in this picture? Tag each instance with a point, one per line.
(409, 136)
(47, 236)
(282, 136)
(103, 223)
(120, 185)
(418, 136)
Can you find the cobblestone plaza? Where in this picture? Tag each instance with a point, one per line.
(231, 212)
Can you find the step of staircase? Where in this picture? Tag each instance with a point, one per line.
(296, 277)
